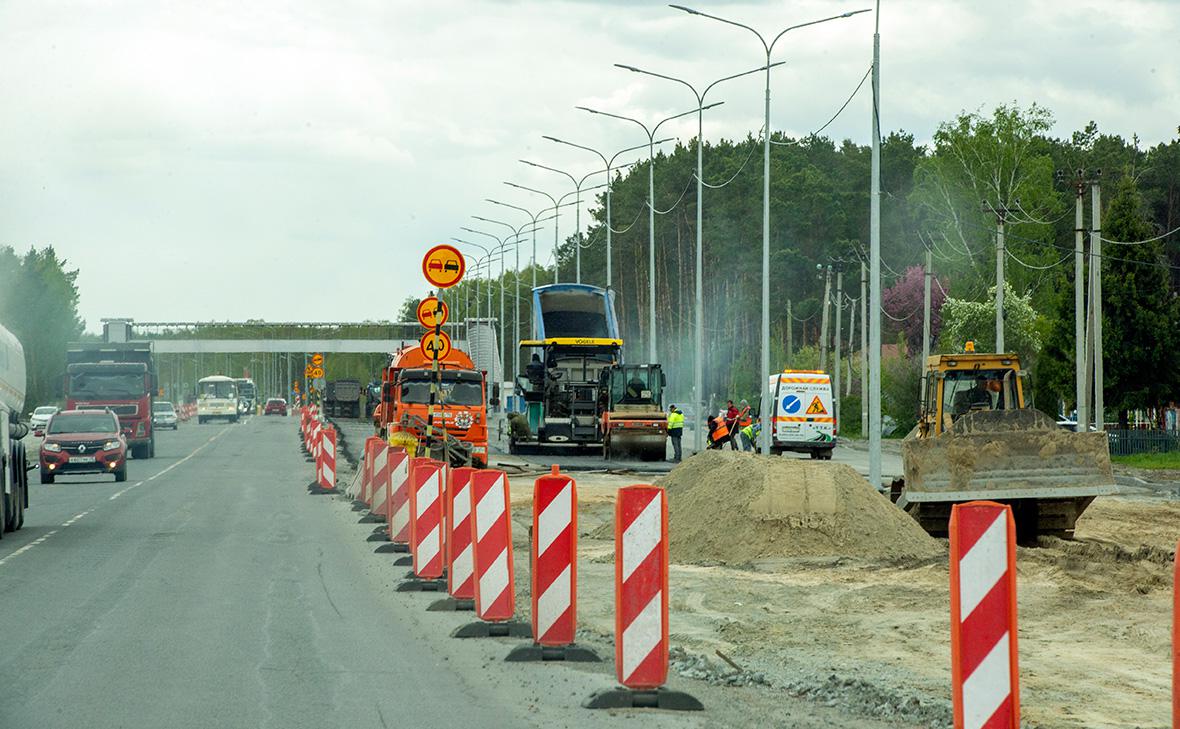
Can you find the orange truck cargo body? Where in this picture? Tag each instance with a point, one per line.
(405, 398)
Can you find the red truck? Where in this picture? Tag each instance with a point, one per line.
(120, 376)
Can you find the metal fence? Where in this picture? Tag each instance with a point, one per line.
(1131, 442)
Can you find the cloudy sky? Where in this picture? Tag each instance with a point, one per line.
(292, 159)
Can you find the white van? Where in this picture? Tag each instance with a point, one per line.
(804, 419)
(217, 397)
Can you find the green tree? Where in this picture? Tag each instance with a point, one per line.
(964, 320)
(1139, 309)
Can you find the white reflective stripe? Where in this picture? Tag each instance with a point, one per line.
(429, 547)
(462, 567)
(427, 494)
(461, 506)
(401, 518)
(400, 474)
(554, 519)
(489, 508)
(553, 602)
(329, 448)
(986, 688)
(329, 474)
(494, 580)
(642, 536)
(642, 636)
(379, 496)
(380, 460)
(983, 566)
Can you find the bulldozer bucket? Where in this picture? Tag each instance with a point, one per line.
(1021, 457)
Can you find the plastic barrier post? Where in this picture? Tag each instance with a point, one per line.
(368, 480)
(984, 673)
(426, 527)
(379, 481)
(460, 577)
(1176, 642)
(553, 558)
(326, 463)
(396, 486)
(491, 560)
(641, 605)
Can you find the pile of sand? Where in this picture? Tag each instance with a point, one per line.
(735, 507)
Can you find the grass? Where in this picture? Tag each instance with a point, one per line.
(1152, 461)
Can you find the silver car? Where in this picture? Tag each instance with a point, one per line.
(164, 415)
(40, 418)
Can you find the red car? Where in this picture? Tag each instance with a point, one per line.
(83, 441)
(275, 406)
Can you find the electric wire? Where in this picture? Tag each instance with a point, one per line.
(1139, 242)
(834, 116)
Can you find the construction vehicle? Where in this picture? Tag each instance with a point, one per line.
(978, 437)
(119, 374)
(14, 464)
(342, 398)
(247, 395)
(460, 412)
(577, 393)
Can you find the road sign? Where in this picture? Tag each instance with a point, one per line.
(316, 373)
(318, 383)
(791, 404)
(317, 359)
(432, 312)
(307, 370)
(443, 266)
(816, 407)
(437, 346)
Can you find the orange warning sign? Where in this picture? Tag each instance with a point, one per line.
(443, 266)
(816, 407)
(438, 346)
(432, 312)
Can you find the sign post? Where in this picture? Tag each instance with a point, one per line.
(443, 266)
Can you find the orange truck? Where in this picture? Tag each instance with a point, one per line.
(461, 407)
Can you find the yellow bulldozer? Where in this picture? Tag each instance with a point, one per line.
(978, 437)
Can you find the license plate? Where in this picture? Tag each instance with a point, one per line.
(81, 459)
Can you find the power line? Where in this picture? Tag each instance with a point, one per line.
(1037, 268)
(1140, 242)
(838, 112)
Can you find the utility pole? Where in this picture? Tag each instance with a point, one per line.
(874, 394)
(1001, 213)
(790, 334)
(1079, 301)
(851, 348)
(836, 343)
(925, 321)
(823, 327)
(1096, 268)
(864, 351)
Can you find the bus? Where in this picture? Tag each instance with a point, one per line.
(217, 397)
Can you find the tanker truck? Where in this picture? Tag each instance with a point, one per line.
(14, 467)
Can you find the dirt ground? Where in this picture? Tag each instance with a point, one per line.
(873, 637)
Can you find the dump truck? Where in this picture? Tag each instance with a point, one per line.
(120, 375)
(14, 463)
(342, 398)
(460, 412)
(978, 437)
(577, 393)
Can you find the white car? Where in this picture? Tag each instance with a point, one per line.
(40, 418)
(164, 415)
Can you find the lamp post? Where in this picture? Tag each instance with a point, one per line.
(557, 204)
(608, 167)
(769, 49)
(489, 255)
(577, 211)
(535, 218)
(698, 376)
(651, 212)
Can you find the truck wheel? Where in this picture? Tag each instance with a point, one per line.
(152, 447)
(234, 419)
(46, 477)
(200, 420)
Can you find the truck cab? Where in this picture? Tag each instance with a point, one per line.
(119, 376)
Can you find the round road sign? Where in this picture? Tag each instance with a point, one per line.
(437, 346)
(432, 312)
(443, 266)
(317, 359)
(317, 373)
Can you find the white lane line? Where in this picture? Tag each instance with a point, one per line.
(29, 546)
(114, 496)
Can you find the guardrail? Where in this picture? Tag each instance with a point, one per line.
(1133, 441)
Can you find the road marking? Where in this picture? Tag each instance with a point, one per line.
(114, 496)
(29, 546)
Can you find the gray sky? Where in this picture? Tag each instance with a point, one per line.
(288, 159)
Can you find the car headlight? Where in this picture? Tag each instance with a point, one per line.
(111, 445)
(51, 447)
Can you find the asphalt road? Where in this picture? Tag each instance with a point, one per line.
(211, 590)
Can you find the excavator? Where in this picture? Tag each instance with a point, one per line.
(979, 438)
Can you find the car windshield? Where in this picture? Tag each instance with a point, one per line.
(162, 407)
(106, 385)
(45, 410)
(83, 423)
(218, 389)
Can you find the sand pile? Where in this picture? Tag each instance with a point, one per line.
(735, 507)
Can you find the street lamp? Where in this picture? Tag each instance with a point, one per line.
(699, 329)
(769, 49)
(487, 257)
(651, 212)
(535, 218)
(608, 166)
(557, 204)
(577, 211)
